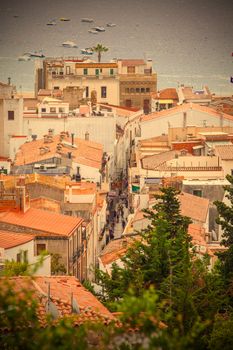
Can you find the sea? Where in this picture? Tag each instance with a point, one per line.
(189, 42)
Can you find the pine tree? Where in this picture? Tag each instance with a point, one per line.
(225, 220)
(158, 256)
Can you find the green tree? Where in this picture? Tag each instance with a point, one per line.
(225, 220)
(99, 49)
(56, 266)
(162, 250)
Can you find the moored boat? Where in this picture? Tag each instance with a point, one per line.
(87, 51)
(99, 29)
(111, 25)
(70, 44)
(87, 20)
(92, 31)
(64, 19)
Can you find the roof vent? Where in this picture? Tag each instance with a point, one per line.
(74, 305)
(51, 307)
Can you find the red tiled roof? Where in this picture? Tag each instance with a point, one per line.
(193, 206)
(152, 162)
(169, 93)
(42, 220)
(184, 108)
(61, 287)
(116, 248)
(132, 62)
(132, 109)
(11, 239)
(197, 232)
(225, 152)
(88, 153)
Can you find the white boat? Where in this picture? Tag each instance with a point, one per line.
(93, 31)
(69, 44)
(64, 19)
(99, 29)
(34, 54)
(87, 20)
(87, 51)
(24, 58)
(111, 25)
(51, 23)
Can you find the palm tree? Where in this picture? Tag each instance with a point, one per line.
(99, 48)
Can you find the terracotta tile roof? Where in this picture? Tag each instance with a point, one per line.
(184, 108)
(132, 62)
(42, 220)
(11, 239)
(116, 248)
(194, 207)
(167, 94)
(197, 232)
(30, 102)
(152, 162)
(44, 92)
(61, 287)
(88, 153)
(225, 152)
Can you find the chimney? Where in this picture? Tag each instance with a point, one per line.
(22, 199)
(9, 80)
(87, 136)
(50, 132)
(46, 138)
(72, 139)
(34, 137)
(78, 176)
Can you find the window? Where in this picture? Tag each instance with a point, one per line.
(40, 247)
(137, 89)
(111, 71)
(11, 115)
(147, 89)
(85, 71)
(131, 69)
(56, 88)
(197, 193)
(61, 110)
(18, 257)
(68, 70)
(52, 110)
(25, 256)
(128, 103)
(142, 90)
(131, 90)
(97, 72)
(43, 110)
(87, 91)
(103, 91)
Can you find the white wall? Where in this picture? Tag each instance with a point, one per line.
(159, 125)
(10, 127)
(44, 269)
(100, 129)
